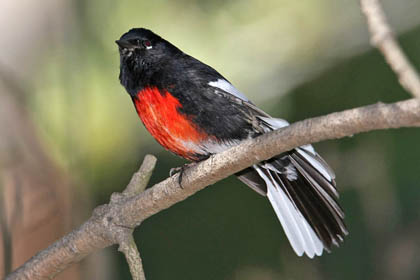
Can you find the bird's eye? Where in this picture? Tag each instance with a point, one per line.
(147, 44)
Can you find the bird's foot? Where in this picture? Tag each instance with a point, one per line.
(180, 170)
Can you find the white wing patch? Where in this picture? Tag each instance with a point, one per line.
(229, 88)
(275, 123)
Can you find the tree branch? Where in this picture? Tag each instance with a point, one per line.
(383, 38)
(124, 213)
(132, 255)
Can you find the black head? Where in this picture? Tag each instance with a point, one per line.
(142, 53)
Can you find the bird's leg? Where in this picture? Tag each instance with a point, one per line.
(181, 171)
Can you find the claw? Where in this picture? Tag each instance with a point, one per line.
(180, 177)
(174, 170)
(180, 170)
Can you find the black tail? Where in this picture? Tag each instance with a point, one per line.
(301, 189)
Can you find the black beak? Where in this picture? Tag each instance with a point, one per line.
(124, 44)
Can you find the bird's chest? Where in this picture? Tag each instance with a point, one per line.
(159, 112)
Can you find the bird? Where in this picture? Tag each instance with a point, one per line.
(195, 112)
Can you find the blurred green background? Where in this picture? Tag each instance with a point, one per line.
(295, 59)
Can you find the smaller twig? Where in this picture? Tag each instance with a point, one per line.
(140, 179)
(124, 235)
(129, 249)
(383, 38)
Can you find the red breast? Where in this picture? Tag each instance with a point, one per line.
(159, 112)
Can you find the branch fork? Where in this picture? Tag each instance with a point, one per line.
(115, 230)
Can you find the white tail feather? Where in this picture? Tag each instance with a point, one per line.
(309, 238)
(303, 166)
(301, 236)
(315, 163)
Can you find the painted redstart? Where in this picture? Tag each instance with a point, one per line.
(194, 112)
